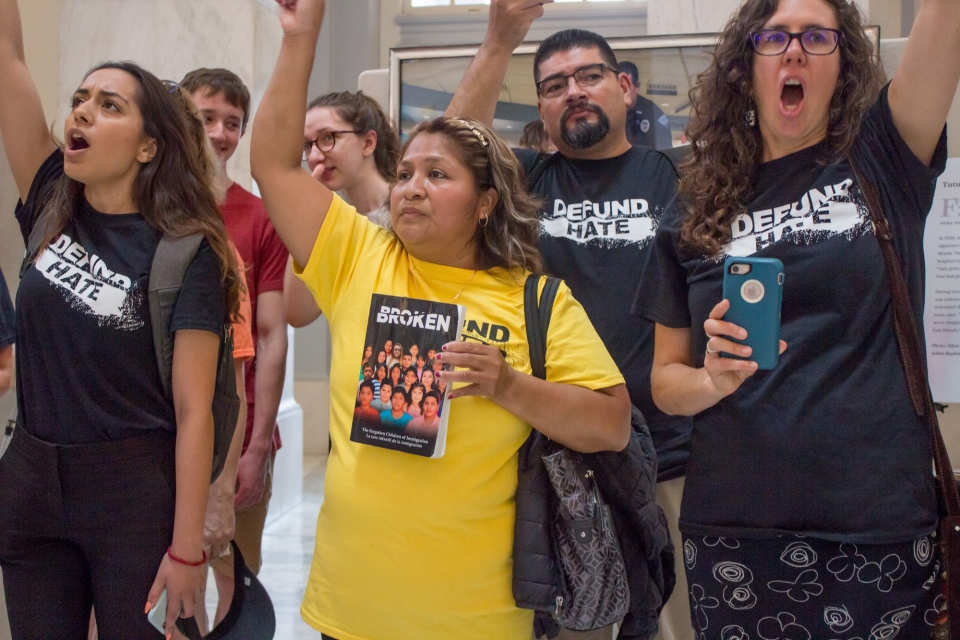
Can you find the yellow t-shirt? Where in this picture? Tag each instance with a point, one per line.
(410, 547)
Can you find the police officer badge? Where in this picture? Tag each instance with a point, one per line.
(644, 125)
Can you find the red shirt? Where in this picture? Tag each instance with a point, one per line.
(265, 259)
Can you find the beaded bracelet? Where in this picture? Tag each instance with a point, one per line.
(184, 562)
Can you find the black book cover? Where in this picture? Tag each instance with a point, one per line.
(401, 404)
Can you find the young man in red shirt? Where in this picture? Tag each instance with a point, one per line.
(224, 101)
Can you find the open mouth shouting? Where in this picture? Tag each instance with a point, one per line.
(76, 142)
(791, 97)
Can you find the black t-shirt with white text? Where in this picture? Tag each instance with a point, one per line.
(597, 222)
(827, 443)
(8, 319)
(86, 367)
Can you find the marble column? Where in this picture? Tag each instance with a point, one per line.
(170, 38)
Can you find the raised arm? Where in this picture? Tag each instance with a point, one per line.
(926, 82)
(296, 203)
(477, 95)
(26, 139)
(298, 304)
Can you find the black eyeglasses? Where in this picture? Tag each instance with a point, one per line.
(326, 141)
(586, 76)
(816, 42)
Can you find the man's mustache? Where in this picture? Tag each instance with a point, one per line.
(584, 106)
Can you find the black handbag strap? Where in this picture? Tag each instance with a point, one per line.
(918, 384)
(537, 310)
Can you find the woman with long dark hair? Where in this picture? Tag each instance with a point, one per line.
(427, 379)
(464, 232)
(103, 488)
(809, 509)
(380, 374)
(396, 374)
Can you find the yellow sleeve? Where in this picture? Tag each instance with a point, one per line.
(344, 239)
(575, 353)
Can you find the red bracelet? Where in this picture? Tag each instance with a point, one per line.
(182, 561)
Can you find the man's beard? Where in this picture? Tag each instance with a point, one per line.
(584, 134)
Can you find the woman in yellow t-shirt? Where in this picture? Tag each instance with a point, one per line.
(413, 547)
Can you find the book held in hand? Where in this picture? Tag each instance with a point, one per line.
(401, 403)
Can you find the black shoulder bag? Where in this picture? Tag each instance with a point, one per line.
(914, 366)
(594, 592)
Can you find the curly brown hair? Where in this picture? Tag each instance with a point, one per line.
(726, 151)
(509, 238)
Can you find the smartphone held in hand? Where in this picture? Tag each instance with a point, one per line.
(158, 614)
(754, 287)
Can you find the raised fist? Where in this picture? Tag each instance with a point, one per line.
(301, 16)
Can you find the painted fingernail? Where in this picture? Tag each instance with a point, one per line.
(147, 608)
(440, 355)
(439, 374)
(444, 347)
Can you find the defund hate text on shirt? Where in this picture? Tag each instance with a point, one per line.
(84, 277)
(818, 215)
(624, 220)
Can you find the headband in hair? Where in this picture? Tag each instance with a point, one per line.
(482, 138)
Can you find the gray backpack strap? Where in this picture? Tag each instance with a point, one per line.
(169, 266)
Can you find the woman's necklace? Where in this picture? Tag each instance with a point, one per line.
(416, 274)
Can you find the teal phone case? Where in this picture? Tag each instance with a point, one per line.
(755, 300)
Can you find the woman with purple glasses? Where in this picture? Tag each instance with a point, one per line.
(809, 509)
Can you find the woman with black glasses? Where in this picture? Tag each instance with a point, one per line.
(103, 489)
(809, 508)
(350, 147)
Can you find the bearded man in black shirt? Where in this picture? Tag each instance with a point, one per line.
(603, 199)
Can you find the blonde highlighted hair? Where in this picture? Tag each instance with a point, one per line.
(508, 239)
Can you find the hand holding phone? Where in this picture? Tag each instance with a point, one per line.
(177, 591)
(158, 613)
(754, 288)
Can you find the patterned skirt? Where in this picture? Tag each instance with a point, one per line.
(801, 588)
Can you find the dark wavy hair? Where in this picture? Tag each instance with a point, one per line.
(726, 151)
(364, 114)
(509, 238)
(172, 192)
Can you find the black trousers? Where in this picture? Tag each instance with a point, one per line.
(84, 525)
